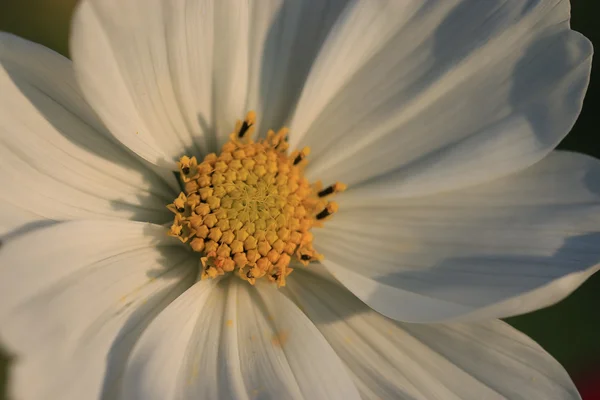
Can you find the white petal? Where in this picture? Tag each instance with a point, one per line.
(393, 360)
(229, 340)
(285, 37)
(441, 94)
(56, 160)
(75, 298)
(494, 250)
(166, 77)
(121, 53)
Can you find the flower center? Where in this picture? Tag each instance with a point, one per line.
(250, 209)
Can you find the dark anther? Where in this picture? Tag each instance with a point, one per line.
(185, 170)
(326, 192)
(244, 129)
(298, 158)
(305, 257)
(181, 209)
(323, 214)
(249, 275)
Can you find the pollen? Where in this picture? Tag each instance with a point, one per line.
(249, 210)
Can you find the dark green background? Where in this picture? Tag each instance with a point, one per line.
(570, 330)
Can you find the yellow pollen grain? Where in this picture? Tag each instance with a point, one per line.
(249, 209)
(279, 339)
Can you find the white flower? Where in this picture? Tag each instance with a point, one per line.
(433, 112)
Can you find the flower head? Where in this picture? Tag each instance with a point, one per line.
(417, 181)
(249, 208)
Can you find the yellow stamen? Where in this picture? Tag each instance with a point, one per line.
(250, 207)
(188, 168)
(337, 187)
(328, 210)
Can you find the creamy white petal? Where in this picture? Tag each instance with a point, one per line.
(56, 159)
(426, 96)
(393, 360)
(230, 340)
(121, 57)
(285, 37)
(172, 77)
(75, 298)
(493, 250)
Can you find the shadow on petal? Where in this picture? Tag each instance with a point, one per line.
(6, 361)
(140, 319)
(282, 78)
(476, 283)
(47, 106)
(65, 109)
(24, 229)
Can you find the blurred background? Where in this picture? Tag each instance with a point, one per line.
(570, 331)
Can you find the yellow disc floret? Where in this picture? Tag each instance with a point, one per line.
(250, 209)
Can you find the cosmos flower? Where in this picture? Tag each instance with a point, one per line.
(407, 197)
